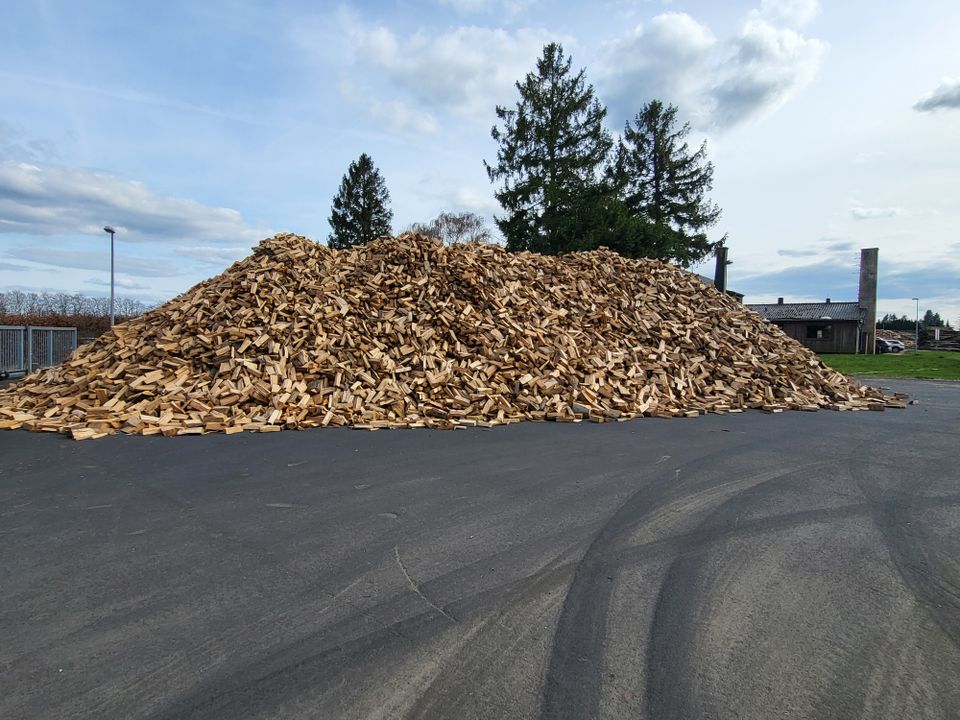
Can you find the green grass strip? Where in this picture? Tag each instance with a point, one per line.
(930, 364)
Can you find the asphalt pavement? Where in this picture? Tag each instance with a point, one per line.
(752, 566)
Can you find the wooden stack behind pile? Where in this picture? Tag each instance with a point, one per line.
(948, 339)
(404, 332)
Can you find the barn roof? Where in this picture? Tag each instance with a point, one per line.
(840, 311)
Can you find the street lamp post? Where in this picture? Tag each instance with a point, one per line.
(108, 229)
(916, 328)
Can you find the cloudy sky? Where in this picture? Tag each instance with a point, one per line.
(197, 128)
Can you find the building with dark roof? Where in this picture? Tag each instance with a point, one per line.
(827, 327)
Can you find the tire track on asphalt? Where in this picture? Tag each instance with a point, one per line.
(574, 674)
(695, 540)
(669, 661)
(326, 655)
(302, 608)
(908, 547)
(514, 617)
(670, 664)
(906, 690)
(463, 674)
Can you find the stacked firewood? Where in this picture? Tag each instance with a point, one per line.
(939, 339)
(404, 332)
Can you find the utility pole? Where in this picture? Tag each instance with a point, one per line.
(108, 229)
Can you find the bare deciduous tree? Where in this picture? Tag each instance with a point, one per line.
(47, 308)
(453, 228)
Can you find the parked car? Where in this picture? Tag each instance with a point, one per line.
(886, 346)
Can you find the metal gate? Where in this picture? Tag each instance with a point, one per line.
(13, 356)
(27, 348)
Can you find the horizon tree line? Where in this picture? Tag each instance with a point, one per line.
(19, 302)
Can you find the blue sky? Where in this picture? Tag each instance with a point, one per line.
(196, 129)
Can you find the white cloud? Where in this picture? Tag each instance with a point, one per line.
(218, 256)
(478, 201)
(769, 64)
(867, 156)
(797, 252)
(789, 13)
(874, 213)
(15, 145)
(408, 82)
(89, 260)
(469, 6)
(403, 117)
(136, 97)
(717, 83)
(946, 96)
(633, 8)
(666, 60)
(824, 248)
(123, 283)
(441, 194)
(43, 199)
(466, 70)
(509, 7)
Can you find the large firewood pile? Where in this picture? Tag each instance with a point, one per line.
(404, 332)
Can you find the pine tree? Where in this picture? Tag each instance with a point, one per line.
(664, 184)
(552, 148)
(361, 207)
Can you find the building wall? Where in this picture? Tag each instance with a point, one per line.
(835, 336)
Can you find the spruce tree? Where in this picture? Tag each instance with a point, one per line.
(552, 149)
(361, 207)
(664, 185)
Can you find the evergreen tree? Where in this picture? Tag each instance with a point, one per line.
(931, 319)
(552, 148)
(663, 183)
(361, 207)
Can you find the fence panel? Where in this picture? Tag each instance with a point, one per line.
(24, 349)
(48, 346)
(12, 352)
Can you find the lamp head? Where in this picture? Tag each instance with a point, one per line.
(109, 229)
